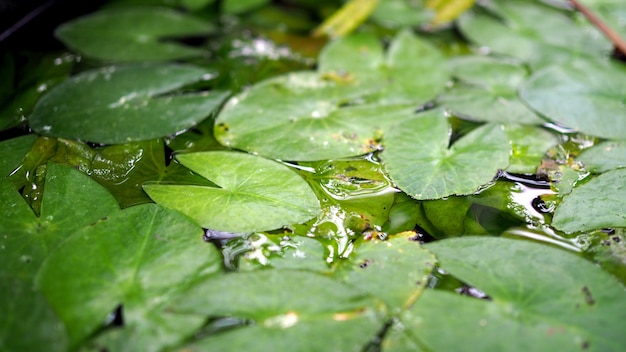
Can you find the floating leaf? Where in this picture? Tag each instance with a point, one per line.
(487, 91)
(395, 270)
(540, 298)
(511, 28)
(140, 257)
(587, 96)
(120, 104)
(421, 163)
(254, 193)
(289, 310)
(597, 204)
(133, 34)
(12, 152)
(70, 201)
(604, 156)
(337, 112)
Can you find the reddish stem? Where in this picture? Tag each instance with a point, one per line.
(617, 41)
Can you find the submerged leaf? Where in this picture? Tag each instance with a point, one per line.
(254, 193)
(133, 34)
(120, 104)
(421, 163)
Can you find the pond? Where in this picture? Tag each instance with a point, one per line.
(313, 175)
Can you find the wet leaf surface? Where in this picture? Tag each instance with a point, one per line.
(487, 91)
(146, 255)
(335, 112)
(551, 298)
(437, 170)
(289, 310)
(254, 193)
(133, 34)
(120, 104)
(604, 156)
(597, 204)
(590, 89)
(13, 151)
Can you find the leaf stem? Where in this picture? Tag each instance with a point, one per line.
(617, 41)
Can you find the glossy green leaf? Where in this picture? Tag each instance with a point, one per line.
(597, 204)
(587, 96)
(336, 112)
(254, 193)
(541, 298)
(421, 163)
(13, 151)
(604, 156)
(612, 12)
(395, 270)
(70, 201)
(28, 323)
(133, 34)
(511, 28)
(120, 104)
(288, 310)
(487, 91)
(140, 257)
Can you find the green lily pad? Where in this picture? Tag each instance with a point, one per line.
(70, 201)
(487, 91)
(540, 298)
(395, 270)
(597, 204)
(337, 111)
(401, 13)
(13, 151)
(139, 257)
(511, 28)
(28, 323)
(120, 104)
(254, 193)
(133, 34)
(587, 96)
(288, 310)
(421, 163)
(604, 156)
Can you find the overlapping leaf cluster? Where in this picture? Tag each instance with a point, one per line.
(313, 185)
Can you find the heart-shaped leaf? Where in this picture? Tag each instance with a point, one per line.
(540, 297)
(597, 204)
(133, 34)
(487, 91)
(335, 112)
(421, 163)
(120, 104)
(585, 95)
(289, 310)
(139, 257)
(254, 193)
